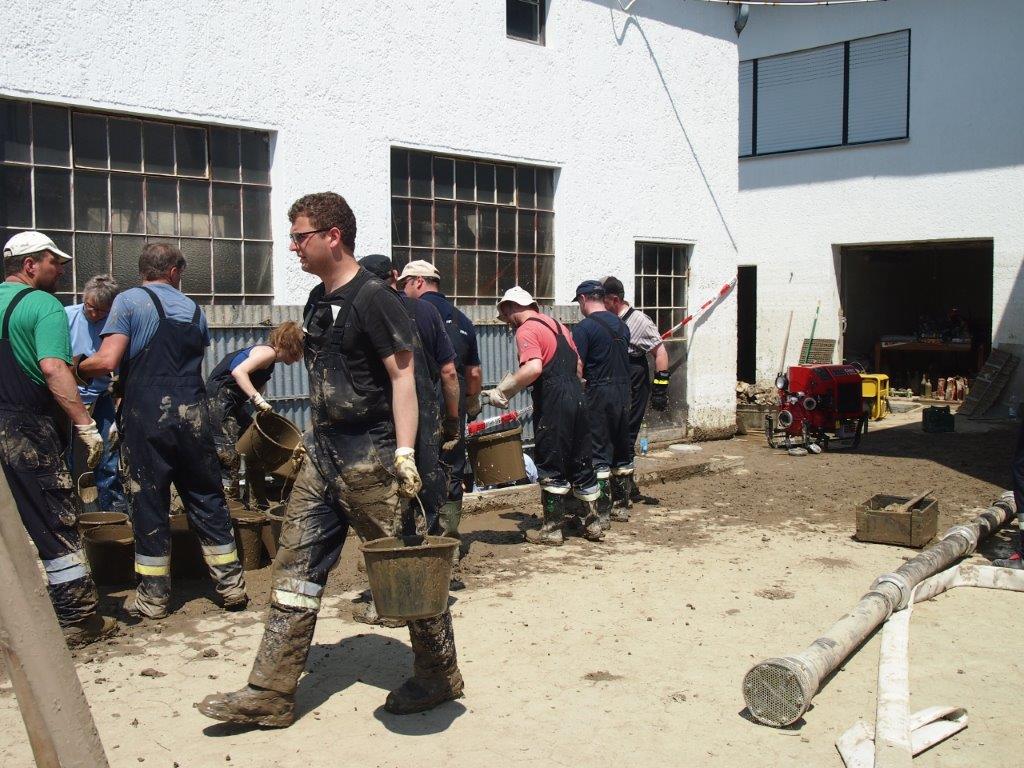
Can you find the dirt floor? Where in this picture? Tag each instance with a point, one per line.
(629, 652)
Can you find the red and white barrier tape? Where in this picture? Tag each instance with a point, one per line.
(702, 309)
(505, 418)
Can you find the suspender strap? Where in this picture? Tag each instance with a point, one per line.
(10, 309)
(156, 303)
(629, 312)
(558, 324)
(358, 283)
(608, 328)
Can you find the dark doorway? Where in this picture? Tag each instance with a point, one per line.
(746, 324)
(918, 310)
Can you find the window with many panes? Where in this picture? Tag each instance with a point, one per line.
(660, 287)
(486, 226)
(524, 20)
(102, 185)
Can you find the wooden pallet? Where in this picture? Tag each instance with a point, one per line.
(991, 381)
(822, 351)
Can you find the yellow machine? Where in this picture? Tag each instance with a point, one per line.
(875, 391)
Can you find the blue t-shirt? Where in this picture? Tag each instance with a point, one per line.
(85, 340)
(594, 343)
(443, 305)
(134, 315)
(430, 326)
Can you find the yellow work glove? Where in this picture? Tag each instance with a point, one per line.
(409, 482)
(89, 434)
(473, 405)
(451, 431)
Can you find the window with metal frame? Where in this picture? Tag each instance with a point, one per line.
(102, 185)
(662, 271)
(485, 225)
(524, 20)
(849, 93)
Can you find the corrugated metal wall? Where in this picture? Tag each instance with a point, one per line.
(235, 327)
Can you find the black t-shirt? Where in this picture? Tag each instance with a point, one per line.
(596, 348)
(377, 326)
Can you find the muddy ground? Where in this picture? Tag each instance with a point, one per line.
(631, 651)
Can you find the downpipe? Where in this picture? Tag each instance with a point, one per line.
(779, 691)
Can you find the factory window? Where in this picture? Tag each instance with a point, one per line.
(487, 226)
(660, 287)
(855, 92)
(524, 20)
(102, 185)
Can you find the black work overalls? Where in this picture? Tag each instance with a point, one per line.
(561, 426)
(165, 422)
(640, 391)
(609, 398)
(32, 455)
(455, 459)
(230, 419)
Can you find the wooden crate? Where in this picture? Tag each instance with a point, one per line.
(906, 529)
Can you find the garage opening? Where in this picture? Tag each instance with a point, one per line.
(918, 312)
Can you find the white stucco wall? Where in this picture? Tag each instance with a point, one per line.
(638, 113)
(959, 175)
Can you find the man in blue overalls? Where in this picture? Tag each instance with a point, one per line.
(601, 341)
(360, 469)
(158, 335)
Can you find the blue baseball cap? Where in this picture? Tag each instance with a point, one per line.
(589, 288)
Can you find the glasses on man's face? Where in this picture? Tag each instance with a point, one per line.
(298, 238)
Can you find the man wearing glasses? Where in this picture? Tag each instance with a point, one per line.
(157, 336)
(85, 322)
(360, 464)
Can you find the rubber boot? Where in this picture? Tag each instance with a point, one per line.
(621, 502)
(229, 579)
(604, 501)
(90, 630)
(553, 501)
(436, 677)
(451, 516)
(365, 612)
(269, 698)
(592, 530)
(1014, 561)
(151, 599)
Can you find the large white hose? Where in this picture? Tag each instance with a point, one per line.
(898, 735)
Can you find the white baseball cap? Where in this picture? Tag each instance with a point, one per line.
(27, 243)
(518, 296)
(419, 268)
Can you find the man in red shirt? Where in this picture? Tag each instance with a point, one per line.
(549, 362)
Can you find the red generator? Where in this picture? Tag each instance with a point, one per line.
(820, 405)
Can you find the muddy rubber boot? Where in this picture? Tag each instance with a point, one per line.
(250, 706)
(436, 677)
(229, 579)
(553, 501)
(365, 612)
(269, 698)
(592, 530)
(621, 502)
(90, 630)
(1014, 561)
(604, 501)
(151, 599)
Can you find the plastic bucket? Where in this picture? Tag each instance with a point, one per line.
(269, 441)
(497, 457)
(186, 552)
(111, 553)
(88, 520)
(271, 531)
(248, 538)
(409, 576)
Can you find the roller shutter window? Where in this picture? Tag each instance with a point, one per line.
(746, 94)
(879, 67)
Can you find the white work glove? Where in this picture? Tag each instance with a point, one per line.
(409, 482)
(260, 404)
(89, 434)
(495, 397)
(501, 394)
(113, 436)
(473, 405)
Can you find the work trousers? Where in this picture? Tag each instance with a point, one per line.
(562, 439)
(346, 480)
(455, 460)
(173, 443)
(37, 474)
(110, 492)
(640, 393)
(608, 410)
(229, 421)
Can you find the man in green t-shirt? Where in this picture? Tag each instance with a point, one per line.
(37, 391)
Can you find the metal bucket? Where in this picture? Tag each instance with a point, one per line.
(409, 576)
(497, 457)
(111, 553)
(270, 441)
(271, 531)
(186, 552)
(248, 538)
(88, 520)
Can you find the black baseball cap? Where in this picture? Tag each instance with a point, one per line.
(378, 265)
(614, 286)
(589, 288)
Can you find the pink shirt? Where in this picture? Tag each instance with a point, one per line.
(535, 343)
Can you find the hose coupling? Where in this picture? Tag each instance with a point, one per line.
(967, 532)
(898, 581)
